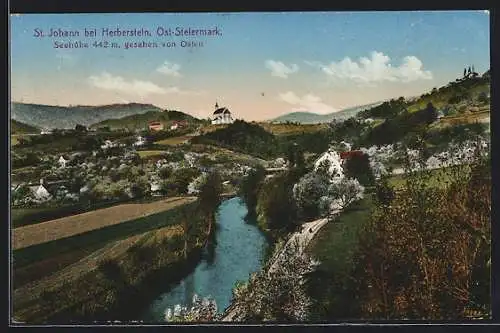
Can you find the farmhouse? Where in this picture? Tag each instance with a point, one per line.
(332, 160)
(155, 126)
(221, 115)
(62, 162)
(108, 144)
(347, 154)
(40, 193)
(155, 187)
(140, 141)
(46, 131)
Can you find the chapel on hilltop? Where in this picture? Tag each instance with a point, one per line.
(221, 115)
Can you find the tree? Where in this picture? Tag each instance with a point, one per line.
(358, 166)
(431, 112)
(165, 172)
(275, 204)
(384, 193)
(308, 192)
(483, 98)
(80, 128)
(186, 230)
(139, 189)
(201, 310)
(209, 198)
(291, 155)
(465, 72)
(278, 292)
(250, 186)
(345, 192)
(422, 260)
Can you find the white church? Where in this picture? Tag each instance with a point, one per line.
(221, 115)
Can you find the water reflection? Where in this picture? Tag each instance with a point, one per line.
(233, 254)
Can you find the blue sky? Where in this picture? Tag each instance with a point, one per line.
(263, 64)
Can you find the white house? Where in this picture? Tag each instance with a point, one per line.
(334, 162)
(155, 187)
(174, 126)
(221, 115)
(40, 193)
(141, 141)
(62, 162)
(108, 144)
(46, 131)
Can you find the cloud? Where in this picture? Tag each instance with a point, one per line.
(307, 102)
(279, 69)
(141, 88)
(170, 69)
(377, 68)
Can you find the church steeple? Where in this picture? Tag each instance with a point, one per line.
(216, 105)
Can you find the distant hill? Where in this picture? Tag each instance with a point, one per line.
(50, 117)
(140, 121)
(315, 118)
(17, 127)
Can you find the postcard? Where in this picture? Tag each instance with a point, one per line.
(251, 167)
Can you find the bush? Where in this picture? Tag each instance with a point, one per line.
(425, 256)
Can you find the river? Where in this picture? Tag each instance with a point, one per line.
(239, 251)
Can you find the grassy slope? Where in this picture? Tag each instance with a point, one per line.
(84, 286)
(284, 129)
(334, 247)
(36, 261)
(17, 127)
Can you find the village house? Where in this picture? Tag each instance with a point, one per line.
(155, 187)
(62, 162)
(333, 161)
(108, 144)
(46, 131)
(155, 126)
(39, 192)
(221, 115)
(140, 141)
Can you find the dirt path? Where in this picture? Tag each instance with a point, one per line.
(72, 225)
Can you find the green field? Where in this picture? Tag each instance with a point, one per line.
(437, 177)
(334, 247)
(150, 153)
(174, 141)
(34, 262)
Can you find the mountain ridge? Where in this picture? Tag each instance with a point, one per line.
(307, 117)
(64, 117)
